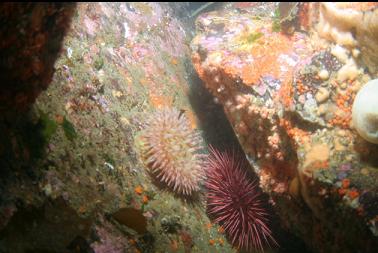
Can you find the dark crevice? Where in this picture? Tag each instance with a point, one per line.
(217, 131)
(300, 122)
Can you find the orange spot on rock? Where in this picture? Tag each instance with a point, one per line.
(294, 133)
(249, 75)
(221, 230)
(209, 226)
(132, 241)
(221, 241)
(345, 183)
(82, 209)
(160, 101)
(267, 60)
(353, 194)
(211, 242)
(342, 192)
(138, 190)
(145, 199)
(343, 115)
(174, 61)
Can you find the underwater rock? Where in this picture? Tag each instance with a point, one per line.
(31, 37)
(27, 229)
(109, 239)
(171, 224)
(365, 111)
(352, 25)
(118, 62)
(121, 61)
(289, 100)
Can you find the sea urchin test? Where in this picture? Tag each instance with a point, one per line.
(170, 150)
(365, 111)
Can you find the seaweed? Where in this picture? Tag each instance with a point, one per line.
(254, 36)
(276, 25)
(48, 126)
(69, 129)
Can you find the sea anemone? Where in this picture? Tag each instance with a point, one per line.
(170, 149)
(235, 202)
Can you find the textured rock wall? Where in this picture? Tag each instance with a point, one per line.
(31, 37)
(289, 97)
(71, 178)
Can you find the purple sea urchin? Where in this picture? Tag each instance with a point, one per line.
(235, 202)
(170, 150)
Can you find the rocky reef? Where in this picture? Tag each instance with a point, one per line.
(81, 84)
(287, 76)
(71, 179)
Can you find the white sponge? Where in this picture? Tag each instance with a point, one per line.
(365, 111)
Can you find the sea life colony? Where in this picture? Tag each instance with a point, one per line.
(169, 148)
(189, 127)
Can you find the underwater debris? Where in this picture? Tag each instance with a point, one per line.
(234, 201)
(170, 148)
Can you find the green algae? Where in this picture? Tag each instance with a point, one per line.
(276, 22)
(49, 126)
(69, 129)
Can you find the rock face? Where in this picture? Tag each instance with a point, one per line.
(118, 63)
(289, 97)
(352, 25)
(31, 36)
